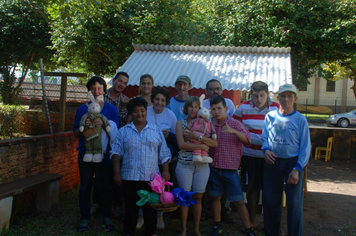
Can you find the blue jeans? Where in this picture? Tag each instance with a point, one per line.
(274, 177)
(227, 180)
(86, 171)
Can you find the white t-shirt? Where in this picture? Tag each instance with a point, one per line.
(229, 104)
(166, 120)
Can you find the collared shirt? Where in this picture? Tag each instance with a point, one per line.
(141, 153)
(253, 119)
(228, 153)
(116, 103)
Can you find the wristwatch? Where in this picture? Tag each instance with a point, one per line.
(200, 138)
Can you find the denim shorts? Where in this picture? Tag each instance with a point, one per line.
(227, 180)
(192, 177)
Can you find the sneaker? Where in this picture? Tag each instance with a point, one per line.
(84, 226)
(118, 212)
(94, 208)
(160, 223)
(249, 232)
(108, 225)
(217, 230)
(140, 222)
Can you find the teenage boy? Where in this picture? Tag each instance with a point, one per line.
(252, 113)
(115, 96)
(231, 136)
(286, 144)
(212, 88)
(182, 85)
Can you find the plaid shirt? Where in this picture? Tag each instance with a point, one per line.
(116, 103)
(228, 153)
(142, 152)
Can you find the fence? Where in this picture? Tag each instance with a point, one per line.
(309, 102)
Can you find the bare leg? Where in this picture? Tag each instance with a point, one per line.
(252, 204)
(216, 205)
(243, 213)
(197, 208)
(183, 220)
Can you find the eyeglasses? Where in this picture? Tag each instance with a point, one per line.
(217, 89)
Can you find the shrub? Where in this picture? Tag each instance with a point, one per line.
(11, 121)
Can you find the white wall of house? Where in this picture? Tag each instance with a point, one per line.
(316, 94)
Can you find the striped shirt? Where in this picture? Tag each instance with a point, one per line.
(228, 153)
(185, 157)
(253, 119)
(141, 153)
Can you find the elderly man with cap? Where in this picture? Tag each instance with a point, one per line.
(182, 85)
(286, 144)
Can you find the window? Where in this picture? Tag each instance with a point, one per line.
(330, 86)
(302, 87)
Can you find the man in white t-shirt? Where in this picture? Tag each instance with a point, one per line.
(213, 87)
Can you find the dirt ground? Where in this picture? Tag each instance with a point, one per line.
(330, 207)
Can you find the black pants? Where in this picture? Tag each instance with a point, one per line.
(87, 171)
(130, 189)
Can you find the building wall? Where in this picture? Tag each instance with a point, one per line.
(21, 158)
(342, 99)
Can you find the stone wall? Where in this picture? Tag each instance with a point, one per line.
(21, 158)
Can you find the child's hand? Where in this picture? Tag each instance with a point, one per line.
(228, 129)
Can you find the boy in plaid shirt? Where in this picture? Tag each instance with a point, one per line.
(231, 136)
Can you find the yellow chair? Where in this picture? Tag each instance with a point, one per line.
(326, 149)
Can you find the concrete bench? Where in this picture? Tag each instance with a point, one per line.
(47, 186)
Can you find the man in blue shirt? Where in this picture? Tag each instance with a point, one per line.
(286, 144)
(182, 85)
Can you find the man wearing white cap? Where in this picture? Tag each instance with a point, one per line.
(286, 144)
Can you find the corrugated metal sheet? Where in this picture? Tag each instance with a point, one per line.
(235, 67)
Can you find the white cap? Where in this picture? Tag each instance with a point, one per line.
(287, 87)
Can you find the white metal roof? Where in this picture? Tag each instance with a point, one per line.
(235, 67)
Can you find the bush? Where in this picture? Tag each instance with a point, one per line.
(11, 121)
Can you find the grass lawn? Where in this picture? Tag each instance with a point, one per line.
(64, 220)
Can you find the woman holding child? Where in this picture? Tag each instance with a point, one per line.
(191, 176)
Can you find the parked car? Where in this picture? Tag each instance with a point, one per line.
(343, 119)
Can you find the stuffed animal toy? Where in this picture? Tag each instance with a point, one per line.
(92, 133)
(204, 128)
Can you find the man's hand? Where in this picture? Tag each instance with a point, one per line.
(293, 177)
(270, 157)
(123, 102)
(117, 179)
(166, 175)
(98, 122)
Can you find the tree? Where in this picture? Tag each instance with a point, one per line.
(24, 39)
(99, 35)
(316, 30)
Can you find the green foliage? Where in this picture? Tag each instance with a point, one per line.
(24, 38)
(11, 121)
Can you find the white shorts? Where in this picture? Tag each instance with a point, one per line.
(193, 177)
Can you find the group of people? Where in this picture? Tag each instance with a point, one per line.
(269, 141)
